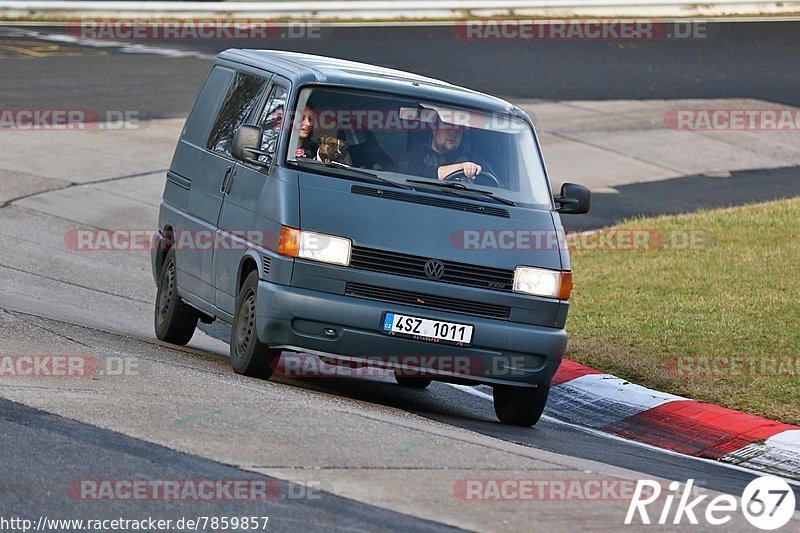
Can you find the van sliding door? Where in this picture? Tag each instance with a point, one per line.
(250, 215)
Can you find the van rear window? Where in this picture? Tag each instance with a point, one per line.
(242, 97)
(207, 105)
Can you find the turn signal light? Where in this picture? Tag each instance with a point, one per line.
(289, 243)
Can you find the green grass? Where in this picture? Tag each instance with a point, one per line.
(738, 294)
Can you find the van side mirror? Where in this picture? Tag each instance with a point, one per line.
(247, 146)
(575, 199)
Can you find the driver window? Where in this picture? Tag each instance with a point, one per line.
(272, 118)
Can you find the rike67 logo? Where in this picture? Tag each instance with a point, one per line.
(767, 503)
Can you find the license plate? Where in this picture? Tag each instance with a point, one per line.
(427, 330)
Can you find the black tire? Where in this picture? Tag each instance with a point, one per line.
(249, 356)
(520, 406)
(411, 382)
(174, 321)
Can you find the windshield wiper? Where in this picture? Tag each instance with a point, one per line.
(351, 171)
(455, 186)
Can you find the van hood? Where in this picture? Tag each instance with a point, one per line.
(441, 226)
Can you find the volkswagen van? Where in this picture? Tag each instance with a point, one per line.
(366, 216)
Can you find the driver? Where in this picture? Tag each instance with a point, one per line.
(442, 156)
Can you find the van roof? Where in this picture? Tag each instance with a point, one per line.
(307, 68)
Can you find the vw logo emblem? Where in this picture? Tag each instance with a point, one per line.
(434, 269)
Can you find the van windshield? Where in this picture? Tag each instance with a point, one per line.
(425, 145)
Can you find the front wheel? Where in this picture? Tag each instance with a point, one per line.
(249, 356)
(175, 321)
(520, 406)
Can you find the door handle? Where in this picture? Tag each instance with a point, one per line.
(228, 174)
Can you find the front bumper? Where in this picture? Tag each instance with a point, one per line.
(349, 328)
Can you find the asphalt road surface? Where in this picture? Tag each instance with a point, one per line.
(45, 453)
(734, 60)
(160, 79)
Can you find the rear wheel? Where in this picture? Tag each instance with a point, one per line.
(249, 356)
(411, 382)
(520, 406)
(175, 321)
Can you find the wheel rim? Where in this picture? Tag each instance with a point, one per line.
(167, 293)
(245, 322)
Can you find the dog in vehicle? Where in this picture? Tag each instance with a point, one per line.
(332, 149)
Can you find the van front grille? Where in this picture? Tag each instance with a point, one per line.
(497, 279)
(427, 301)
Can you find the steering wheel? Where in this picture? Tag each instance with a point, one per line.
(489, 179)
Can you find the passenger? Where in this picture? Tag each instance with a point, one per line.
(442, 156)
(306, 148)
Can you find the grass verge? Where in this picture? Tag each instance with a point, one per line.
(709, 309)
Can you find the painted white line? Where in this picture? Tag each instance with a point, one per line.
(472, 390)
(619, 390)
(598, 433)
(123, 46)
(600, 400)
(787, 440)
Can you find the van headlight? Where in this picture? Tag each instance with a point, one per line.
(543, 282)
(314, 246)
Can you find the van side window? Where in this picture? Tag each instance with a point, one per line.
(272, 117)
(239, 102)
(208, 103)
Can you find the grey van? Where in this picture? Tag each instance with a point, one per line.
(369, 217)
